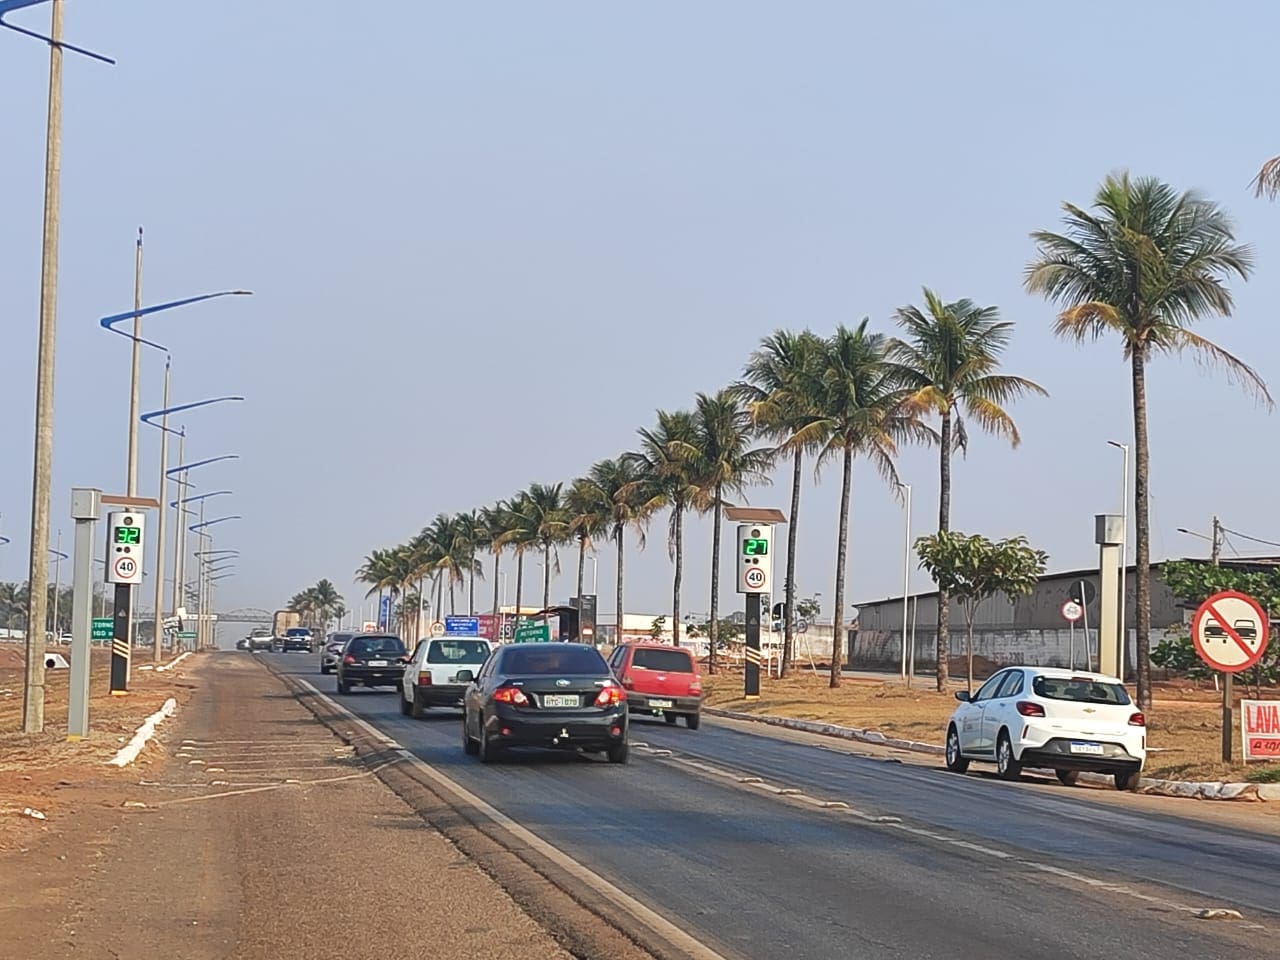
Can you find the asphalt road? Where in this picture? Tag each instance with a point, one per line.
(977, 867)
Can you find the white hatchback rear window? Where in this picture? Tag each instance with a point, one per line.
(1081, 690)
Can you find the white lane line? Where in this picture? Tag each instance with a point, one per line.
(649, 918)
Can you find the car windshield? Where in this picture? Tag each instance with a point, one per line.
(538, 659)
(390, 646)
(667, 661)
(297, 632)
(1081, 690)
(457, 651)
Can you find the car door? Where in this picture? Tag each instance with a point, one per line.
(474, 697)
(970, 721)
(996, 711)
(410, 679)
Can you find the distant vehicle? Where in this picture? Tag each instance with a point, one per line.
(431, 676)
(332, 651)
(371, 660)
(299, 639)
(557, 695)
(242, 643)
(260, 639)
(660, 680)
(282, 620)
(1057, 719)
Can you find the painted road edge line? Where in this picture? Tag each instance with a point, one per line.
(129, 752)
(649, 918)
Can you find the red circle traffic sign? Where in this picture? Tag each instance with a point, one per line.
(755, 577)
(1230, 631)
(125, 567)
(1072, 611)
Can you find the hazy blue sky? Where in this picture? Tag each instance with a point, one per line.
(487, 240)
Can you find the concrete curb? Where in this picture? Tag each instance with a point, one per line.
(129, 752)
(1193, 790)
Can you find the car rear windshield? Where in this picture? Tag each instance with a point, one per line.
(667, 661)
(457, 651)
(387, 645)
(536, 659)
(1081, 690)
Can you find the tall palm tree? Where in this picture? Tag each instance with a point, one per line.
(327, 602)
(544, 510)
(621, 487)
(948, 361)
(726, 462)
(862, 410)
(520, 535)
(777, 386)
(492, 529)
(666, 462)
(469, 533)
(588, 510)
(1144, 264)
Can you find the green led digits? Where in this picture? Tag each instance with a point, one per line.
(755, 547)
(128, 534)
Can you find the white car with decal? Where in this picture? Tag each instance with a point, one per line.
(431, 677)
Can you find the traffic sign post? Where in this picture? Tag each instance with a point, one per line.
(462, 626)
(533, 631)
(1230, 631)
(126, 544)
(1072, 611)
(437, 629)
(101, 628)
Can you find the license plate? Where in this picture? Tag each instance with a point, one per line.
(559, 700)
(1092, 748)
(377, 663)
(664, 704)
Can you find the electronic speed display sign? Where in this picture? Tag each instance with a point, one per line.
(755, 557)
(125, 540)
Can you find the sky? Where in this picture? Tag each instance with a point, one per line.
(487, 241)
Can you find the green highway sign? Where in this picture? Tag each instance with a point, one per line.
(102, 629)
(531, 631)
(186, 634)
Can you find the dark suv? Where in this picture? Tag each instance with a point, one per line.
(298, 639)
(372, 660)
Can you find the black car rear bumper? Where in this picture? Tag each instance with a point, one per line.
(512, 726)
(441, 695)
(1056, 755)
(371, 676)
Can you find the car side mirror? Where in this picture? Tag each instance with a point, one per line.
(962, 696)
(465, 676)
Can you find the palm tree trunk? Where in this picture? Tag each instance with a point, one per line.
(582, 560)
(497, 611)
(790, 586)
(618, 595)
(519, 583)
(546, 576)
(842, 548)
(471, 590)
(968, 649)
(453, 606)
(439, 585)
(1142, 527)
(713, 631)
(944, 523)
(678, 517)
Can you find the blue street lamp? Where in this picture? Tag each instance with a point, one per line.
(203, 496)
(182, 467)
(210, 523)
(148, 417)
(179, 560)
(7, 6)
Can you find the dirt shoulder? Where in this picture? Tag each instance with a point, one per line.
(254, 833)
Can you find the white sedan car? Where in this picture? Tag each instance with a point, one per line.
(1061, 720)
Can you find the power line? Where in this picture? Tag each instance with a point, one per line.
(1245, 536)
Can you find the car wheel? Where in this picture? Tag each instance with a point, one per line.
(670, 718)
(692, 720)
(343, 686)
(469, 746)
(618, 753)
(1006, 766)
(324, 668)
(1128, 780)
(417, 709)
(956, 761)
(488, 750)
(405, 705)
(1069, 778)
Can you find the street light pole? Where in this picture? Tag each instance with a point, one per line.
(906, 577)
(134, 386)
(180, 533)
(58, 557)
(41, 486)
(1124, 555)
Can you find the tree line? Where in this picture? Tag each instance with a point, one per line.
(1141, 264)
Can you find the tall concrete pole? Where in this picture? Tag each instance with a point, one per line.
(135, 388)
(180, 535)
(158, 624)
(41, 486)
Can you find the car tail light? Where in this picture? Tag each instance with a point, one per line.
(510, 695)
(1029, 709)
(424, 678)
(695, 687)
(610, 695)
(1137, 720)
(348, 659)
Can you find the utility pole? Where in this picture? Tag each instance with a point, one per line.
(1228, 694)
(1215, 554)
(41, 486)
(135, 387)
(157, 626)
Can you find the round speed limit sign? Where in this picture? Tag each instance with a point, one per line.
(125, 567)
(754, 577)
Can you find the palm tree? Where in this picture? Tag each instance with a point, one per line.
(327, 602)
(726, 463)
(1144, 264)
(1267, 182)
(469, 533)
(666, 461)
(620, 485)
(777, 388)
(546, 515)
(492, 529)
(588, 510)
(861, 410)
(520, 534)
(948, 362)
(380, 571)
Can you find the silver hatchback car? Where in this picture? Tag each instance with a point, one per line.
(332, 651)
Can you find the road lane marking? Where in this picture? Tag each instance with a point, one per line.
(695, 949)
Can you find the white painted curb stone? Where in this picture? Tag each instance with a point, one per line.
(129, 752)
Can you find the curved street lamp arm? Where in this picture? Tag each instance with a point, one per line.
(148, 417)
(7, 6)
(108, 322)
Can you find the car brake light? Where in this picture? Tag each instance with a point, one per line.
(695, 686)
(610, 695)
(1137, 720)
(1029, 709)
(348, 659)
(424, 678)
(510, 695)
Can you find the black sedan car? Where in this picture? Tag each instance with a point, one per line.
(371, 660)
(557, 695)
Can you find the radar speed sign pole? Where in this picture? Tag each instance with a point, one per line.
(755, 577)
(125, 545)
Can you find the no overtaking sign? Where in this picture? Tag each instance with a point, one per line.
(1230, 631)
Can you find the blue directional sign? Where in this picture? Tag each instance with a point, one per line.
(384, 614)
(462, 626)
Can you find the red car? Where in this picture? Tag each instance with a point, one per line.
(660, 680)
